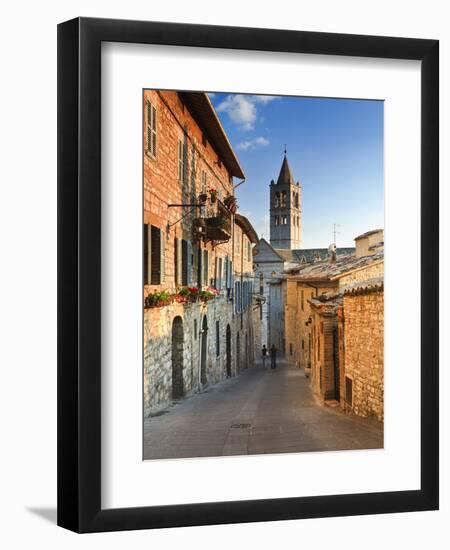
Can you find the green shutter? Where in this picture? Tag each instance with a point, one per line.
(147, 254)
(189, 263)
(163, 257)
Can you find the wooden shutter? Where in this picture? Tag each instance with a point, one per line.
(216, 272)
(155, 255)
(162, 260)
(178, 258)
(199, 266)
(147, 254)
(205, 268)
(185, 160)
(220, 273)
(151, 129)
(180, 160)
(184, 262)
(189, 262)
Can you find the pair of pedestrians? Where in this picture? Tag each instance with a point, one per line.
(273, 356)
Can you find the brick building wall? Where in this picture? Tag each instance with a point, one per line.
(364, 350)
(200, 343)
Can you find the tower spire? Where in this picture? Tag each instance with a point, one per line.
(285, 172)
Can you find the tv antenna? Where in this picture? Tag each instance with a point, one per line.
(335, 232)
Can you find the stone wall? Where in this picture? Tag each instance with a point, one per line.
(298, 332)
(364, 350)
(158, 323)
(371, 271)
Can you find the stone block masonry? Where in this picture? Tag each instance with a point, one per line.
(198, 321)
(364, 351)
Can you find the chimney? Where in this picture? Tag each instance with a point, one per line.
(332, 253)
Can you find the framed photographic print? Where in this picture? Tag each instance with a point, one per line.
(248, 275)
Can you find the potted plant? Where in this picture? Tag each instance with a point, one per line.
(158, 299)
(193, 294)
(218, 221)
(230, 203)
(213, 195)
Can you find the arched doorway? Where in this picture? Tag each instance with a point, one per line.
(238, 353)
(228, 350)
(204, 351)
(177, 358)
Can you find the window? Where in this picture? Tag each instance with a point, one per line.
(199, 266)
(195, 329)
(154, 255)
(276, 202)
(303, 344)
(205, 280)
(218, 273)
(182, 160)
(284, 220)
(283, 198)
(303, 299)
(183, 262)
(204, 186)
(177, 260)
(237, 297)
(349, 391)
(238, 242)
(186, 266)
(290, 349)
(217, 338)
(204, 141)
(193, 171)
(229, 275)
(151, 129)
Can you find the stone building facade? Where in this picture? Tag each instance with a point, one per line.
(363, 342)
(348, 346)
(369, 242)
(334, 329)
(197, 251)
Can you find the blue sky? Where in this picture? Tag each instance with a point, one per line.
(334, 148)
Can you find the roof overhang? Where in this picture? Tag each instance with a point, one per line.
(202, 110)
(247, 227)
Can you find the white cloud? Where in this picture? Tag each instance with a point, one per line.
(251, 144)
(242, 108)
(263, 98)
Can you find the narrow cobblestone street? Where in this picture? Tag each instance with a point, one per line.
(260, 411)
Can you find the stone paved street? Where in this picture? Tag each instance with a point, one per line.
(259, 411)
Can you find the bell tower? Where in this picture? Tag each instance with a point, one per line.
(285, 210)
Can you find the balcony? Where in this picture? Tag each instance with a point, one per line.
(218, 226)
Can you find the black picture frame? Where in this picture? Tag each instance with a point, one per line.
(79, 269)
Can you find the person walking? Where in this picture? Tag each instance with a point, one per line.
(273, 357)
(264, 355)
